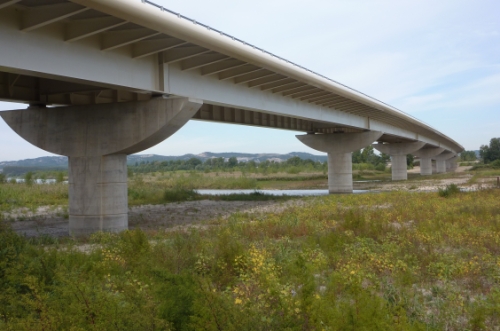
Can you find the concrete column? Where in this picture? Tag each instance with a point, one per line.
(339, 147)
(399, 167)
(398, 152)
(340, 173)
(425, 154)
(440, 166)
(441, 161)
(97, 139)
(98, 193)
(451, 164)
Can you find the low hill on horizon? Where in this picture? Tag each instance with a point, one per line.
(61, 162)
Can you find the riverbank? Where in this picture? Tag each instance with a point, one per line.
(397, 260)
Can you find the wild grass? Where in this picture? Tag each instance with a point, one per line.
(387, 261)
(13, 196)
(448, 191)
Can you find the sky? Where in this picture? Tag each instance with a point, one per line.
(436, 60)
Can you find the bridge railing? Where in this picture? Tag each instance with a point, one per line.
(222, 33)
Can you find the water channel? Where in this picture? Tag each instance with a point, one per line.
(272, 192)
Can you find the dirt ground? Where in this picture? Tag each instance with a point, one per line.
(54, 222)
(149, 217)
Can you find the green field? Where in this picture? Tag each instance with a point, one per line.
(387, 261)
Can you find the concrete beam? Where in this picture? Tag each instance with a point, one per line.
(96, 139)
(398, 152)
(339, 147)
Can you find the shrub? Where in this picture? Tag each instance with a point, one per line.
(293, 170)
(28, 178)
(495, 164)
(59, 177)
(448, 191)
(179, 194)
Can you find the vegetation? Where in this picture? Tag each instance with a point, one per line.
(490, 153)
(21, 170)
(448, 191)
(389, 261)
(492, 165)
(292, 165)
(367, 156)
(468, 156)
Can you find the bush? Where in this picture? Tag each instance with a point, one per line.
(179, 194)
(293, 170)
(495, 164)
(3, 179)
(448, 191)
(28, 178)
(59, 177)
(380, 167)
(363, 166)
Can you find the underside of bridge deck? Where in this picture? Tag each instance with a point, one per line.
(107, 78)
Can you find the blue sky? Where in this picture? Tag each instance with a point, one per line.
(436, 60)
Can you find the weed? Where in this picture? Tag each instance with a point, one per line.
(386, 261)
(179, 194)
(448, 191)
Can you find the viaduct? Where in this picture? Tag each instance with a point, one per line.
(107, 78)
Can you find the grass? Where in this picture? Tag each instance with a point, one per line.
(13, 196)
(448, 191)
(387, 261)
(159, 188)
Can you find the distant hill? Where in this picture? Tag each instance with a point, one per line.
(242, 157)
(39, 162)
(61, 162)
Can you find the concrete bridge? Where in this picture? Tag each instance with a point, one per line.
(106, 78)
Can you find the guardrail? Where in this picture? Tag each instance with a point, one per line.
(179, 15)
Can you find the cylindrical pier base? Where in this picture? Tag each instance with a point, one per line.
(340, 173)
(98, 194)
(399, 167)
(425, 166)
(440, 166)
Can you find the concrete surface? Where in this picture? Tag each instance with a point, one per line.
(339, 147)
(441, 161)
(97, 139)
(398, 152)
(425, 155)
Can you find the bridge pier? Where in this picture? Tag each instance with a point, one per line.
(339, 147)
(97, 139)
(441, 161)
(425, 155)
(398, 152)
(451, 164)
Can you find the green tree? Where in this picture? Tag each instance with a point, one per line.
(193, 162)
(294, 161)
(59, 177)
(468, 156)
(28, 178)
(232, 162)
(492, 152)
(409, 160)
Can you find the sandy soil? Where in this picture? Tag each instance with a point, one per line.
(169, 216)
(419, 183)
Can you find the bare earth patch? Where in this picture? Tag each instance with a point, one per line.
(150, 217)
